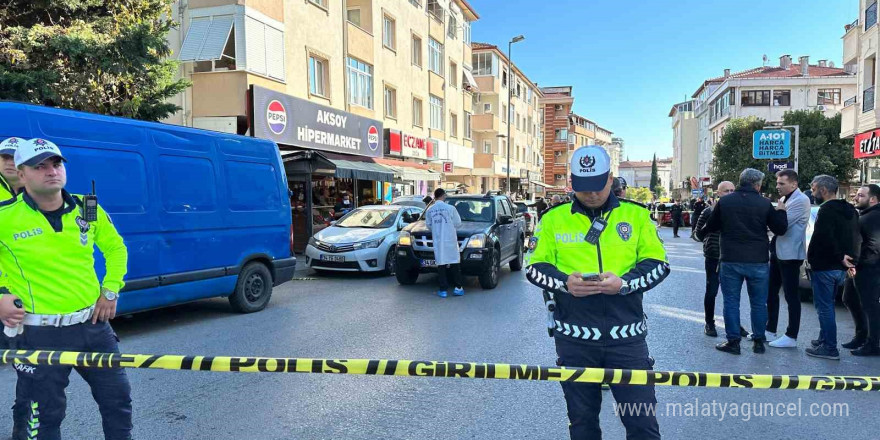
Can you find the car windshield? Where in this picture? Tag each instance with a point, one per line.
(474, 210)
(368, 218)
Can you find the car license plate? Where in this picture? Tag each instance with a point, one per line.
(429, 263)
(336, 258)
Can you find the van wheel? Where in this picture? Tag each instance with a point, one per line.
(407, 277)
(489, 279)
(253, 289)
(517, 264)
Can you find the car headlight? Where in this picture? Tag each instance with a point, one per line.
(404, 239)
(313, 242)
(477, 241)
(368, 244)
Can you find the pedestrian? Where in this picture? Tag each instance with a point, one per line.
(835, 242)
(595, 258)
(787, 253)
(442, 220)
(343, 206)
(65, 307)
(676, 213)
(556, 200)
(699, 206)
(10, 184)
(867, 273)
(540, 207)
(618, 187)
(743, 218)
(711, 256)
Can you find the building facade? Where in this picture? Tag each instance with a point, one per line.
(494, 117)
(638, 173)
(617, 151)
(860, 118)
(556, 105)
(685, 144)
(767, 93)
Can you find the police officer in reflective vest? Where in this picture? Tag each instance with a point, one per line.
(46, 257)
(594, 259)
(10, 185)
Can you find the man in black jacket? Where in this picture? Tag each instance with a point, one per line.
(833, 247)
(743, 218)
(867, 272)
(675, 212)
(699, 206)
(711, 253)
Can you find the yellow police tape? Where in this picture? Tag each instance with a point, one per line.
(473, 370)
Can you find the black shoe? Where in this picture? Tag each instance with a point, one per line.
(856, 342)
(731, 347)
(824, 353)
(869, 349)
(710, 331)
(816, 343)
(743, 332)
(759, 346)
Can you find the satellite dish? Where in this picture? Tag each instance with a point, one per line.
(831, 64)
(765, 60)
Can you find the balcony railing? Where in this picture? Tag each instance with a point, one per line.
(868, 100)
(850, 101)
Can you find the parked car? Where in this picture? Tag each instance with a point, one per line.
(490, 236)
(203, 214)
(529, 214)
(364, 240)
(416, 200)
(666, 216)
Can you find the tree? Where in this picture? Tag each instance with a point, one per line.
(641, 195)
(821, 149)
(101, 56)
(655, 178)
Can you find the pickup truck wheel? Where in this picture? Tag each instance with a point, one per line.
(407, 277)
(489, 279)
(253, 289)
(517, 264)
(391, 261)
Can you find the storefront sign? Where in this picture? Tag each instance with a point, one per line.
(405, 145)
(523, 174)
(447, 167)
(301, 123)
(867, 145)
(771, 144)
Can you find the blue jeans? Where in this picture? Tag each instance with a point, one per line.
(825, 285)
(757, 277)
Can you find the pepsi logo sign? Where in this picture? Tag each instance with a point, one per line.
(276, 116)
(373, 138)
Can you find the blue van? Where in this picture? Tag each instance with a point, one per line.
(203, 214)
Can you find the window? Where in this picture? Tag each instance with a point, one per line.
(436, 114)
(466, 32)
(487, 108)
(782, 98)
(265, 48)
(417, 112)
(485, 64)
(504, 113)
(389, 32)
(487, 147)
(561, 135)
(504, 78)
(453, 74)
(416, 3)
(210, 43)
(435, 56)
(390, 102)
(416, 51)
(321, 3)
(436, 11)
(451, 27)
(829, 97)
(453, 125)
(467, 125)
(317, 76)
(870, 15)
(755, 98)
(354, 16)
(360, 83)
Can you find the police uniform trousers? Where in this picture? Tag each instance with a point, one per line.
(42, 388)
(584, 400)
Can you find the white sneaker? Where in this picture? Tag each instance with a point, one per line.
(767, 336)
(784, 342)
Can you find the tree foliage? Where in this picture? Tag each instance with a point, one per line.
(821, 149)
(655, 177)
(101, 56)
(641, 195)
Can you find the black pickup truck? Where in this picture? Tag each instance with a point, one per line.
(491, 235)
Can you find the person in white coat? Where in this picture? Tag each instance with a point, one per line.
(442, 220)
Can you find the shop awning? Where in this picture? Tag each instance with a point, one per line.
(543, 185)
(469, 79)
(415, 174)
(206, 38)
(355, 169)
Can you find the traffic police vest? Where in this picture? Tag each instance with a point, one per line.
(6, 190)
(629, 246)
(53, 272)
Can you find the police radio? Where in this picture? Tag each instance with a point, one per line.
(90, 206)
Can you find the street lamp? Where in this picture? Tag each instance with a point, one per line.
(515, 39)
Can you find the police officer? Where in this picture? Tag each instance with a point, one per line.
(595, 257)
(46, 256)
(10, 185)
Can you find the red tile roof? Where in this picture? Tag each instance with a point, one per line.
(476, 45)
(778, 72)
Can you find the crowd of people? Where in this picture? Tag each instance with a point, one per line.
(843, 253)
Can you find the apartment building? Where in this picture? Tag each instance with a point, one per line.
(638, 173)
(766, 92)
(587, 132)
(556, 105)
(494, 117)
(860, 118)
(685, 140)
(617, 152)
(369, 97)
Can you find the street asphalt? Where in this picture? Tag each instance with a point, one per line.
(366, 316)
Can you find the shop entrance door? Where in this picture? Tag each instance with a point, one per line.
(300, 205)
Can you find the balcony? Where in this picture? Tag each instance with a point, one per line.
(851, 43)
(488, 85)
(849, 119)
(868, 100)
(486, 122)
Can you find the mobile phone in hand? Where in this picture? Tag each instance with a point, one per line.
(590, 277)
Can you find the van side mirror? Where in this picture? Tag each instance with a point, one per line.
(505, 219)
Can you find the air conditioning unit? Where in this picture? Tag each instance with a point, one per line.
(821, 108)
(558, 107)
(559, 177)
